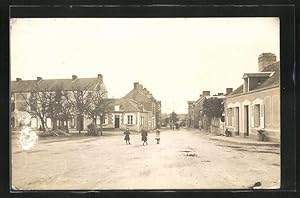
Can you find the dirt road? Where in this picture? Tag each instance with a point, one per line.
(183, 159)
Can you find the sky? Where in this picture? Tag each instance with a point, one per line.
(174, 58)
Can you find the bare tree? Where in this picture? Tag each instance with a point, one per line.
(65, 109)
(98, 108)
(54, 98)
(80, 102)
(37, 104)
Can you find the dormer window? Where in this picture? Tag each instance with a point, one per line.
(117, 107)
(246, 85)
(252, 80)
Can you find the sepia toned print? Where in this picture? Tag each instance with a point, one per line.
(145, 103)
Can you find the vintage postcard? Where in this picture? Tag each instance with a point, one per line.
(145, 103)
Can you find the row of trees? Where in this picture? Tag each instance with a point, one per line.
(60, 105)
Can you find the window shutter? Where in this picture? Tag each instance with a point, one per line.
(134, 119)
(125, 119)
(262, 116)
(233, 118)
(252, 116)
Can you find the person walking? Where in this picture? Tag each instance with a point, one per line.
(157, 136)
(144, 136)
(127, 138)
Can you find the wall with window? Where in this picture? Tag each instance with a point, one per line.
(264, 113)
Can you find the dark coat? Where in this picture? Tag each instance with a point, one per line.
(144, 136)
(126, 135)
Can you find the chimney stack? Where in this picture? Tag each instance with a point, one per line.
(220, 94)
(100, 77)
(228, 91)
(18, 79)
(39, 78)
(206, 93)
(135, 85)
(265, 59)
(74, 77)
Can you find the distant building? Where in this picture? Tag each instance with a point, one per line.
(150, 104)
(22, 88)
(256, 103)
(125, 113)
(196, 117)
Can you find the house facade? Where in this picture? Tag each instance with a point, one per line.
(125, 113)
(255, 105)
(144, 97)
(23, 88)
(196, 117)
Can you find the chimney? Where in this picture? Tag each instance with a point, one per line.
(18, 79)
(74, 77)
(265, 59)
(200, 95)
(228, 90)
(39, 78)
(135, 85)
(220, 94)
(100, 77)
(206, 93)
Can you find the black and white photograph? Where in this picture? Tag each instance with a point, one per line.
(145, 103)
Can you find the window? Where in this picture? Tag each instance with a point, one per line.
(13, 107)
(256, 115)
(103, 121)
(130, 119)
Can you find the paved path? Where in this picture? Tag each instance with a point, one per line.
(184, 159)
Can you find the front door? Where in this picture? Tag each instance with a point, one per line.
(246, 120)
(237, 124)
(117, 121)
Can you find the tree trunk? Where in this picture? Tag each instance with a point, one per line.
(67, 125)
(54, 124)
(101, 127)
(43, 124)
(79, 118)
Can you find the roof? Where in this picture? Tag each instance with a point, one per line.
(257, 75)
(141, 90)
(52, 84)
(126, 104)
(273, 80)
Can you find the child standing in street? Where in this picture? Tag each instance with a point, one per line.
(157, 136)
(127, 138)
(144, 137)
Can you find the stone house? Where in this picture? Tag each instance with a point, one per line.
(196, 117)
(190, 115)
(125, 113)
(150, 104)
(22, 88)
(255, 104)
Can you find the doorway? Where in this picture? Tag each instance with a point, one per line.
(237, 121)
(117, 121)
(246, 120)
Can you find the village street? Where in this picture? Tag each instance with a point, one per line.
(183, 159)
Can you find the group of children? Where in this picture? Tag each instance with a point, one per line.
(144, 136)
